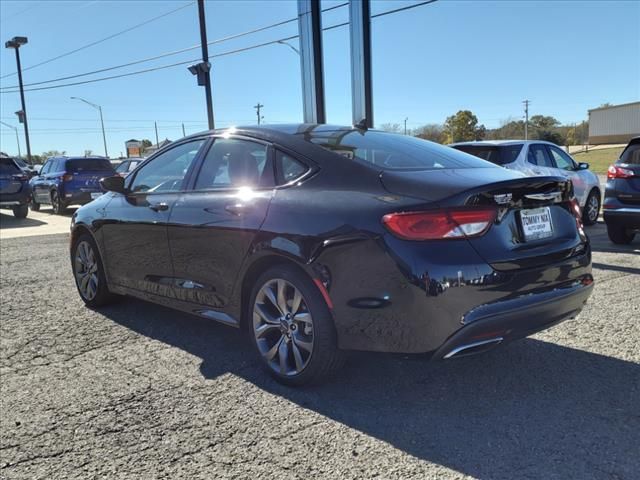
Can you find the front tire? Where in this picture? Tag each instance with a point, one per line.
(56, 203)
(292, 328)
(591, 208)
(88, 272)
(619, 235)
(21, 211)
(34, 206)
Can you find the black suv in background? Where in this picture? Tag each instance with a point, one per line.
(621, 207)
(15, 191)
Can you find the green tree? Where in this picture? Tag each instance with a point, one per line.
(509, 129)
(463, 126)
(432, 131)
(543, 122)
(391, 127)
(145, 144)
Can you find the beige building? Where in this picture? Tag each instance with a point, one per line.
(614, 124)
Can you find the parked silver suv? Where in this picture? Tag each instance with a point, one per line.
(539, 158)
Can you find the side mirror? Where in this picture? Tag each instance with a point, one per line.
(113, 184)
(583, 166)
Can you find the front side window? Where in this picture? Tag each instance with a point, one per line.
(47, 167)
(167, 171)
(235, 163)
(563, 161)
(538, 156)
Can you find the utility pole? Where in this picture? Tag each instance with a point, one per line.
(155, 124)
(205, 61)
(526, 119)
(183, 134)
(16, 43)
(15, 129)
(258, 107)
(405, 125)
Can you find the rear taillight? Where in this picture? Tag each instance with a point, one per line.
(440, 224)
(67, 177)
(615, 171)
(574, 206)
(20, 178)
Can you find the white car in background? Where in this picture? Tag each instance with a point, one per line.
(539, 158)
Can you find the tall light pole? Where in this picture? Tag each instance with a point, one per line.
(405, 124)
(99, 108)
(17, 138)
(526, 118)
(258, 106)
(16, 43)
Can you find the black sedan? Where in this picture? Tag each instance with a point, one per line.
(317, 239)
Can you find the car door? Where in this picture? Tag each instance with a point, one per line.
(540, 160)
(212, 225)
(566, 167)
(135, 224)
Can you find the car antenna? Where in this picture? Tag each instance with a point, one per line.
(362, 124)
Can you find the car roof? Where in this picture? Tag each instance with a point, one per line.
(502, 142)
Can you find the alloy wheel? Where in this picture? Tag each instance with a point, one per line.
(283, 327)
(86, 270)
(592, 208)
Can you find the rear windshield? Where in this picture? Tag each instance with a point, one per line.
(8, 167)
(391, 151)
(631, 155)
(500, 154)
(89, 164)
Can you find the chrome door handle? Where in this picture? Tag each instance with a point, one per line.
(159, 207)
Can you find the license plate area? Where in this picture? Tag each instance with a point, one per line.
(536, 223)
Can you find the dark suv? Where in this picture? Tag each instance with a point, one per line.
(15, 192)
(621, 206)
(65, 181)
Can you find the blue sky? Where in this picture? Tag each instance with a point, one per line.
(428, 62)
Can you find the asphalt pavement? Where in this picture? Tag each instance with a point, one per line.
(137, 391)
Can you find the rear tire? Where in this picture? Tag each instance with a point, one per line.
(298, 346)
(591, 208)
(88, 272)
(619, 235)
(21, 211)
(56, 203)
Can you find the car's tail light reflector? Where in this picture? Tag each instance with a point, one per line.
(67, 177)
(440, 224)
(615, 171)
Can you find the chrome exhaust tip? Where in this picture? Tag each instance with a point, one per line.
(472, 348)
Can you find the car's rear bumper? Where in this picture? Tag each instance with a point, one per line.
(79, 198)
(15, 199)
(623, 215)
(490, 325)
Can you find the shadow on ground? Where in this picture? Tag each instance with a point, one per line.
(7, 220)
(600, 241)
(533, 407)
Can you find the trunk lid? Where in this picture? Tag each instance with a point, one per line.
(510, 243)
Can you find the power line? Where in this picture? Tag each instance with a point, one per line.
(146, 22)
(166, 54)
(230, 52)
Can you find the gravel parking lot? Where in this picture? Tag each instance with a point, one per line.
(139, 391)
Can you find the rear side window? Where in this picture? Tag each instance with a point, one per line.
(235, 163)
(8, 167)
(538, 156)
(631, 155)
(88, 165)
(498, 154)
(289, 169)
(390, 151)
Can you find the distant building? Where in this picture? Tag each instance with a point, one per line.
(614, 124)
(134, 148)
(154, 148)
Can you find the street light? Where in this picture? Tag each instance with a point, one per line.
(17, 138)
(16, 43)
(99, 108)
